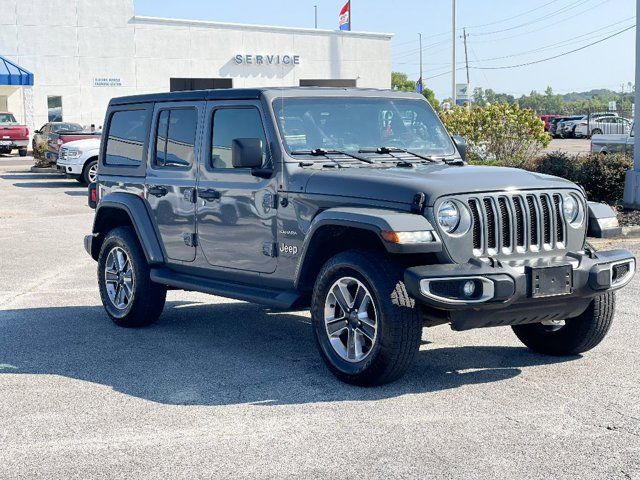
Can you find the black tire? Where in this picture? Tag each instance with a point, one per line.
(84, 178)
(578, 334)
(596, 131)
(22, 152)
(399, 323)
(148, 298)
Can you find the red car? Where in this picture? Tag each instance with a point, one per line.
(13, 135)
(546, 119)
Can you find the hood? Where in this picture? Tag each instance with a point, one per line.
(401, 184)
(84, 144)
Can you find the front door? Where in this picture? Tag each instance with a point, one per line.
(236, 210)
(171, 176)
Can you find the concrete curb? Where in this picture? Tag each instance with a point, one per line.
(630, 232)
(45, 170)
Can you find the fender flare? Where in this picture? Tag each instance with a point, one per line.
(374, 220)
(138, 213)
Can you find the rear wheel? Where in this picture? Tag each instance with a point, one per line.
(572, 336)
(129, 296)
(22, 152)
(366, 326)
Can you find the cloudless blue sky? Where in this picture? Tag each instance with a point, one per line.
(496, 28)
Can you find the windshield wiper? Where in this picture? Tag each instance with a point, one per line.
(321, 152)
(392, 150)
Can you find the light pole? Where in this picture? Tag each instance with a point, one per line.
(632, 180)
(453, 52)
(315, 9)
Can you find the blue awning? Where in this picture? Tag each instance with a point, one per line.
(12, 74)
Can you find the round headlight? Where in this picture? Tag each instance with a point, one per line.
(570, 208)
(448, 216)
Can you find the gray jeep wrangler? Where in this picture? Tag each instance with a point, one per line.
(354, 203)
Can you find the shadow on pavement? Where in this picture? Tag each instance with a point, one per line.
(31, 176)
(220, 354)
(53, 184)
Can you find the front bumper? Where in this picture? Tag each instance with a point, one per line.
(507, 293)
(69, 168)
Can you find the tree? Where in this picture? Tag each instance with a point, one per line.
(400, 81)
(498, 133)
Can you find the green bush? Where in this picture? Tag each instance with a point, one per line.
(500, 134)
(602, 176)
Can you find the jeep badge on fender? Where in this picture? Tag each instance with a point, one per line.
(393, 230)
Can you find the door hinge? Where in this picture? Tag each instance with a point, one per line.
(269, 201)
(269, 249)
(190, 239)
(189, 195)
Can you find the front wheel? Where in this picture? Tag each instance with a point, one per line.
(90, 172)
(367, 327)
(129, 296)
(573, 336)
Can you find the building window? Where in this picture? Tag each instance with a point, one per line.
(176, 138)
(125, 141)
(232, 123)
(181, 84)
(54, 105)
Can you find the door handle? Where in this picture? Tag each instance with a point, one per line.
(157, 190)
(209, 194)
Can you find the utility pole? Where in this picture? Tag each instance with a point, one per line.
(632, 180)
(315, 8)
(453, 52)
(466, 56)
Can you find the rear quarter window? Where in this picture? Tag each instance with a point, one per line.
(126, 138)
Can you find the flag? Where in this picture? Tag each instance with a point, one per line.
(419, 86)
(345, 16)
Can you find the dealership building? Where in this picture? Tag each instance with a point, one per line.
(62, 60)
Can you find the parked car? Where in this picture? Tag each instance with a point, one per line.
(13, 136)
(553, 126)
(79, 159)
(614, 143)
(57, 139)
(41, 136)
(600, 125)
(569, 125)
(547, 121)
(564, 128)
(376, 225)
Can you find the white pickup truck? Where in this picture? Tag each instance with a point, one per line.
(79, 159)
(613, 143)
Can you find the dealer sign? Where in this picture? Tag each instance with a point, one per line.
(260, 60)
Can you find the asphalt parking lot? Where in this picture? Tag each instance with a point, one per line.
(225, 389)
(571, 146)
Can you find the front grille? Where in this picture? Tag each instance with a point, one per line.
(506, 223)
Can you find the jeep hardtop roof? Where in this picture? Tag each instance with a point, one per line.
(269, 93)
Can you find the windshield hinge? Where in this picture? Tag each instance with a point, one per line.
(418, 203)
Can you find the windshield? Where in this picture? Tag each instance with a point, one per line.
(67, 127)
(7, 118)
(356, 124)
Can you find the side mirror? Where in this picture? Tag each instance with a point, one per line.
(461, 145)
(246, 153)
(38, 132)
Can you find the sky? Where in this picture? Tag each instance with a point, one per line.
(501, 33)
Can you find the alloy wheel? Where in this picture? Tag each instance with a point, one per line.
(351, 320)
(119, 278)
(92, 173)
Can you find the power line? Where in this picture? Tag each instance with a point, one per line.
(572, 16)
(514, 16)
(556, 56)
(536, 20)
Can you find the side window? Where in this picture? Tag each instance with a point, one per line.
(232, 123)
(176, 138)
(125, 140)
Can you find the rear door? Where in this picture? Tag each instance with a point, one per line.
(171, 175)
(236, 210)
